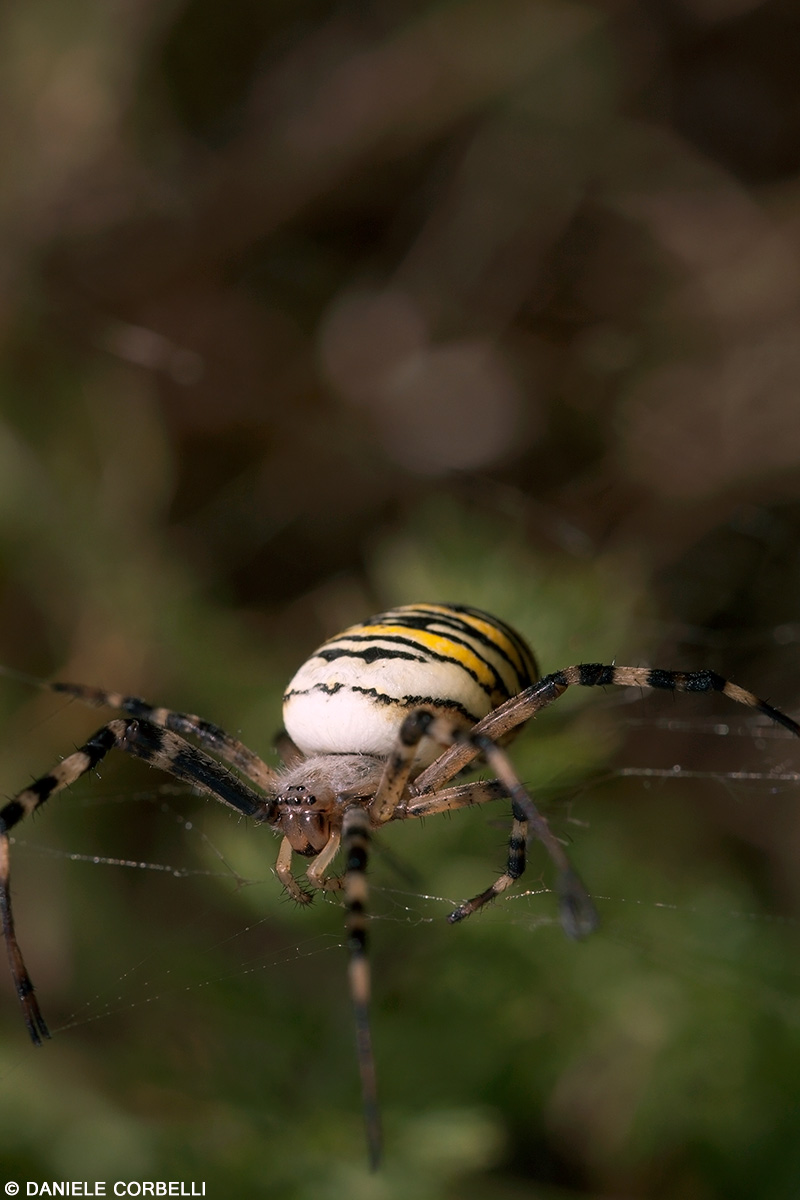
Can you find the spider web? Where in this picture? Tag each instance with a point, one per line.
(396, 893)
(263, 945)
(268, 975)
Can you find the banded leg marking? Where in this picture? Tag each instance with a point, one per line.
(156, 746)
(399, 763)
(578, 913)
(26, 802)
(355, 839)
(483, 792)
(464, 795)
(23, 985)
(210, 736)
(548, 689)
(517, 845)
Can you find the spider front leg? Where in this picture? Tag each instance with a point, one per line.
(23, 985)
(578, 913)
(26, 802)
(355, 840)
(210, 736)
(155, 745)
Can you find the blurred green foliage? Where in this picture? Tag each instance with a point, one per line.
(311, 309)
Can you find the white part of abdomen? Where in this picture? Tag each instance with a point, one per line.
(353, 693)
(350, 708)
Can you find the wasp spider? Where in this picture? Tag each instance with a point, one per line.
(379, 722)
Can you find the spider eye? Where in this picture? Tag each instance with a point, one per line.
(298, 794)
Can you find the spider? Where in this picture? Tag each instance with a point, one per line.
(379, 722)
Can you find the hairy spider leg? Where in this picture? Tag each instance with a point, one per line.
(463, 795)
(397, 770)
(157, 746)
(539, 695)
(355, 840)
(210, 736)
(578, 914)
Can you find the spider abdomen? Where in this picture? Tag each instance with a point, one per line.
(352, 694)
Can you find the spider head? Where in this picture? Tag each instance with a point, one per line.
(311, 797)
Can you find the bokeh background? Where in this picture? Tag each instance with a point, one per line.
(308, 309)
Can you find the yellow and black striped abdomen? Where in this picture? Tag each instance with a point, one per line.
(353, 693)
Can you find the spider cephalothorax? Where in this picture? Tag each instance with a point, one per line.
(311, 797)
(379, 722)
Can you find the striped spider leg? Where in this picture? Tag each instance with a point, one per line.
(510, 715)
(404, 792)
(150, 735)
(578, 914)
(392, 800)
(578, 917)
